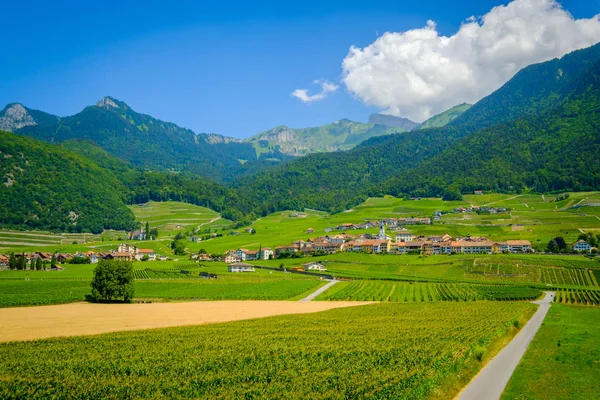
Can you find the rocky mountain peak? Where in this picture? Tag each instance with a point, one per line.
(15, 116)
(108, 102)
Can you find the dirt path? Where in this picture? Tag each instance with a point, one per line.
(320, 290)
(492, 379)
(30, 323)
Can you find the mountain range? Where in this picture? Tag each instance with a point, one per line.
(538, 132)
(150, 143)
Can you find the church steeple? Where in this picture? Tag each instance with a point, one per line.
(382, 235)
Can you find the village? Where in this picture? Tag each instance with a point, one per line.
(405, 243)
(400, 241)
(49, 260)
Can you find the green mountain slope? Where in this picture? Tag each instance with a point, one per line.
(139, 186)
(558, 150)
(443, 119)
(151, 143)
(335, 181)
(49, 187)
(340, 135)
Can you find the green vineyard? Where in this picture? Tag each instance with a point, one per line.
(420, 292)
(533, 274)
(578, 296)
(159, 274)
(384, 351)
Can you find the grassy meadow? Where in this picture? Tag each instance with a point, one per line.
(24, 288)
(416, 351)
(562, 360)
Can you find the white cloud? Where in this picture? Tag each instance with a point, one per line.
(326, 88)
(419, 73)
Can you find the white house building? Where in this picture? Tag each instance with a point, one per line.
(582, 245)
(404, 236)
(314, 266)
(240, 267)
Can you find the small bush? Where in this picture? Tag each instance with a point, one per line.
(479, 352)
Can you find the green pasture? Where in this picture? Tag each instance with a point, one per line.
(562, 360)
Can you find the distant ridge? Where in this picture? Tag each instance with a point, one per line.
(444, 118)
(392, 121)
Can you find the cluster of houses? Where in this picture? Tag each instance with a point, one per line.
(405, 243)
(391, 223)
(478, 209)
(129, 253)
(123, 252)
(245, 267)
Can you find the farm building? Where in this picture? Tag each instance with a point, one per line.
(231, 258)
(240, 267)
(519, 246)
(582, 245)
(314, 266)
(145, 252)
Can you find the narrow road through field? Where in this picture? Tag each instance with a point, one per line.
(492, 379)
(320, 290)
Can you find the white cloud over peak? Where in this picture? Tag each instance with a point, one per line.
(326, 88)
(419, 73)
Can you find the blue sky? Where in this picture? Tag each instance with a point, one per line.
(222, 67)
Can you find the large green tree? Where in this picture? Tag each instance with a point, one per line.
(113, 280)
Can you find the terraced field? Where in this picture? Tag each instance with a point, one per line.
(423, 292)
(10, 239)
(173, 216)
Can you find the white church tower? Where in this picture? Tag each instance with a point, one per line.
(382, 235)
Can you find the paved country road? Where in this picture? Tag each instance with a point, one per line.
(314, 294)
(491, 381)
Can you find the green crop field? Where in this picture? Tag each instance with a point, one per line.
(578, 296)
(422, 292)
(557, 271)
(562, 360)
(412, 351)
(160, 281)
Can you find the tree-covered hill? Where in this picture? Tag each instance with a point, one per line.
(336, 181)
(557, 150)
(49, 187)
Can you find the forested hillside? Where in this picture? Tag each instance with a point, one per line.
(558, 150)
(45, 186)
(336, 181)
